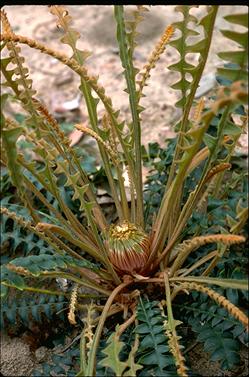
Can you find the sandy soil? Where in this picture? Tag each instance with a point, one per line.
(16, 358)
(56, 85)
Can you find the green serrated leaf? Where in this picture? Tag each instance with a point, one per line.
(11, 278)
(153, 349)
(240, 38)
(9, 139)
(112, 351)
(82, 55)
(210, 141)
(232, 74)
(239, 19)
(231, 129)
(237, 57)
(36, 264)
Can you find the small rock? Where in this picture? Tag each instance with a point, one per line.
(63, 284)
(105, 199)
(64, 78)
(101, 192)
(206, 83)
(75, 136)
(16, 358)
(73, 104)
(41, 354)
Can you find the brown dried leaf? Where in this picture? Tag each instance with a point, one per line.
(75, 136)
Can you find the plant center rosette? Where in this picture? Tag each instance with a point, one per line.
(129, 247)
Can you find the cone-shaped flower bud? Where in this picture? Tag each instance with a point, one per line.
(128, 247)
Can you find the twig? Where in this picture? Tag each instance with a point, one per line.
(190, 347)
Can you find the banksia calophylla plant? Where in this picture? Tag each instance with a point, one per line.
(118, 259)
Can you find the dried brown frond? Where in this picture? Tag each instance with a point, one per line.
(198, 158)
(198, 111)
(107, 125)
(18, 269)
(73, 302)
(19, 220)
(202, 203)
(5, 22)
(154, 57)
(42, 227)
(184, 249)
(221, 300)
(175, 349)
(89, 325)
(11, 123)
(217, 169)
(50, 119)
(92, 133)
(62, 13)
(126, 324)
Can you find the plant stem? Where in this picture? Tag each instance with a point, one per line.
(126, 324)
(226, 283)
(203, 260)
(77, 280)
(55, 293)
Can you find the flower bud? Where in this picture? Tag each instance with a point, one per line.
(128, 247)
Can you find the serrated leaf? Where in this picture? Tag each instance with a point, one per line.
(226, 351)
(149, 341)
(239, 19)
(232, 74)
(233, 295)
(9, 139)
(12, 278)
(112, 351)
(240, 38)
(236, 57)
(82, 55)
(153, 349)
(201, 47)
(210, 141)
(70, 37)
(149, 359)
(231, 129)
(36, 264)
